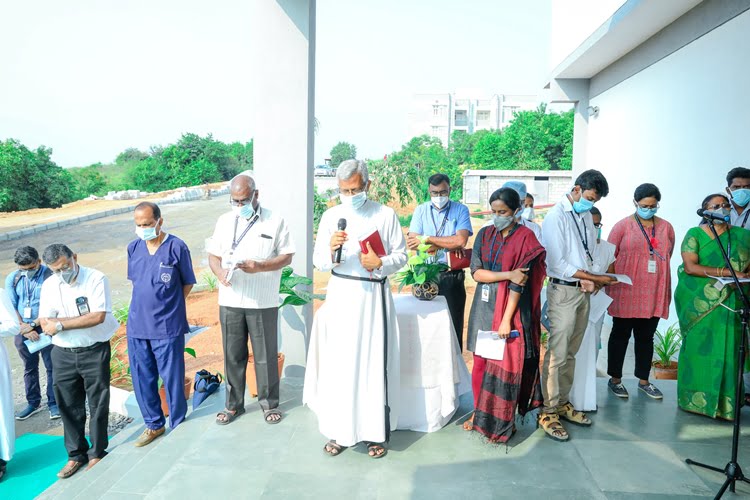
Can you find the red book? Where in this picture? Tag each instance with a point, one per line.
(456, 263)
(373, 237)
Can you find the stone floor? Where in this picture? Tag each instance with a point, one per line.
(634, 450)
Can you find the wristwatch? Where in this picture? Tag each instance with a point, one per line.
(32, 324)
(58, 327)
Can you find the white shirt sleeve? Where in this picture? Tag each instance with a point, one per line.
(284, 243)
(215, 244)
(554, 241)
(99, 296)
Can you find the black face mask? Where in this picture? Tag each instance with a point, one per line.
(29, 273)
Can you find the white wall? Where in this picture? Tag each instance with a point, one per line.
(680, 124)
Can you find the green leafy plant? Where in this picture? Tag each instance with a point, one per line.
(210, 280)
(420, 268)
(666, 345)
(289, 280)
(405, 220)
(121, 313)
(118, 372)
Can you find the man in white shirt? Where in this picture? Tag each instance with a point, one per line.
(75, 309)
(569, 238)
(522, 218)
(247, 252)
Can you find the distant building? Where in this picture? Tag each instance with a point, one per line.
(439, 115)
(547, 186)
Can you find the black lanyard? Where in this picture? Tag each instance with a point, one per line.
(236, 241)
(28, 289)
(500, 250)
(744, 221)
(438, 232)
(651, 249)
(583, 235)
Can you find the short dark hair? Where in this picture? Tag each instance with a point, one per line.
(647, 191)
(529, 195)
(708, 198)
(56, 250)
(437, 179)
(593, 179)
(155, 210)
(595, 211)
(25, 256)
(508, 196)
(741, 172)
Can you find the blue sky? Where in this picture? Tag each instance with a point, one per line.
(90, 78)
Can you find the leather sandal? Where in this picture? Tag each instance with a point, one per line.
(332, 448)
(225, 417)
(570, 414)
(374, 448)
(550, 424)
(267, 414)
(70, 468)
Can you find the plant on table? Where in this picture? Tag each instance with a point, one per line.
(422, 271)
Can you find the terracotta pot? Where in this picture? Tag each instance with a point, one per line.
(426, 291)
(662, 373)
(252, 385)
(163, 395)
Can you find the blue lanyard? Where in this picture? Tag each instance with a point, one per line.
(438, 232)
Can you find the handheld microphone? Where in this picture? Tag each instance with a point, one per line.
(713, 216)
(337, 254)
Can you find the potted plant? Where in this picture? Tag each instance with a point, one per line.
(665, 347)
(163, 390)
(422, 272)
(289, 280)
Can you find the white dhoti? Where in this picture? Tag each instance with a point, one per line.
(8, 327)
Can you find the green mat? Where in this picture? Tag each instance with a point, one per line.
(32, 470)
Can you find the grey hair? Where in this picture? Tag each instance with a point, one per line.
(56, 250)
(349, 168)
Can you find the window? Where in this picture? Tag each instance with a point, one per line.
(435, 110)
(508, 113)
(461, 118)
(483, 116)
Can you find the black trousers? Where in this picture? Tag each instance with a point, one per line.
(81, 374)
(452, 288)
(262, 327)
(643, 331)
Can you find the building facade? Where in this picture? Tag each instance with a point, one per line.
(547, 186)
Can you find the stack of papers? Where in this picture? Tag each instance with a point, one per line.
(490, 345)
(34, 346)
(621, 278)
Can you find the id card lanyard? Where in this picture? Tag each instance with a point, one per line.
(650, 242)
(439, 231)
(493, 260)
(235, 240)
(583, 235)
(29, 290)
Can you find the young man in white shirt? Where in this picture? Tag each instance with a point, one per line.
(75, 309)
(569, 237)
(247, 252)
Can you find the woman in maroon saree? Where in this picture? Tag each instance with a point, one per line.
(508, 265)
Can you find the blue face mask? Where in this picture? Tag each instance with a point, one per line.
(646, 213)
(741, 197)
(146, 233)
(582, 205)
(247, 211)
(356, 201)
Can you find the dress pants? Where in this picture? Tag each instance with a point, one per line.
(82, 373)
(452, 288)
(643, 332)
(31, 371)
(150, 359)
(261, 325)
(568, 312)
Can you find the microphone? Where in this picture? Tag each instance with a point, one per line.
(337, 254)
(713, 216)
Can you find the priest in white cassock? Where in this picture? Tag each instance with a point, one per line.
(354, 342)
(8, 328)
(583, 391)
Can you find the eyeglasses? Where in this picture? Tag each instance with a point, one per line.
(717, 207)
(445, 192)
(239, 203)
(598, 226)
(63, 269)
(352, 192)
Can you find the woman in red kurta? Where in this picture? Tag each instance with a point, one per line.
(644, 245)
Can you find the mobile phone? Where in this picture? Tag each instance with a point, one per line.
(82, 303)
(514, 334)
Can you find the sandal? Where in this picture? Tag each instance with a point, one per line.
(225, 417)
(469, 423)
(570, 414)
(270, 413)
(332, 448)
(374, 448)
(550, 423)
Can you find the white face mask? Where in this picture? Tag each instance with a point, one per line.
(527, 213)
(440, 201)
(355, 201)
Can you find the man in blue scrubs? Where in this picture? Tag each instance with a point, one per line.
(161, 270)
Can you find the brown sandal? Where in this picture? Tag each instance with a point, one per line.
(469, 423)
(332, 448)
(550, 424)
(572, 415)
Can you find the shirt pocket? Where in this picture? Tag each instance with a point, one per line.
(263, 247)
(166, 276)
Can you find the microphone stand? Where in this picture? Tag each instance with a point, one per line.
(732, 469)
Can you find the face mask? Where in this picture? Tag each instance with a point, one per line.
(440, 201)
(69, 275)
(741, 197)
(646, 213)
(724, 212)
(582, 205)
(146, 233)
(247, 211)
(501, 222)
(356, 201)
(527, 213)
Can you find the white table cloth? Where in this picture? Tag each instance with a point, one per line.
(433, 373)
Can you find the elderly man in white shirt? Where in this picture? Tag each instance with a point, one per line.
(249, 248)
(569, 238)
(75, 309)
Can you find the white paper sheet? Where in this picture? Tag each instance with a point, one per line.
(34, 346)
(599, 303)
(490, 345)
(621, 278)
(721, 282)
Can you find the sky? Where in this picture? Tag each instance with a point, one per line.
(90, 78)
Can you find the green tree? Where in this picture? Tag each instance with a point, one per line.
(341, 152)
(463, 144)
(130, 155)
(88, 181)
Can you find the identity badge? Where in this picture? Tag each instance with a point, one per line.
(651, 266)
(485, 293)
(27, 313)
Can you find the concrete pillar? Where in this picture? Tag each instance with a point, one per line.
(575, 91)
(283, 106)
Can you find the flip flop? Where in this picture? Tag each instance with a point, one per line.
(228, 416)
(375, 447)
(336, 448)
(272, 411)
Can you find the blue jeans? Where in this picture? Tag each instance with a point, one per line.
(31, 372)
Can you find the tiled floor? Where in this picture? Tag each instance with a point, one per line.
(635, 449)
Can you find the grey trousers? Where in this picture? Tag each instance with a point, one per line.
(261, 326)
(568, 311)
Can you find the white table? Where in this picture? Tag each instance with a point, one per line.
(433, 373)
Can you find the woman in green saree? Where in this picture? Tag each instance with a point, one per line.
(707, 369)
